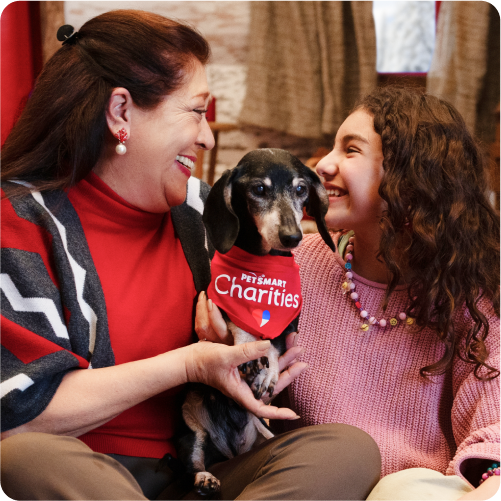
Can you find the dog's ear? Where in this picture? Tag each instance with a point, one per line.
(318, 204)
(219, 217)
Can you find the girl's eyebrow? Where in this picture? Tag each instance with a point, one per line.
(354, 137)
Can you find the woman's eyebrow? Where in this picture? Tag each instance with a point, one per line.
(204, 95)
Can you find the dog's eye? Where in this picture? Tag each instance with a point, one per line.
(258, 190)
(300, 190)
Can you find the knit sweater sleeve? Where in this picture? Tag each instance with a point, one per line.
(53, 311)
(475, 411)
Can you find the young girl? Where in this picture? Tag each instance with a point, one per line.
(401, 326)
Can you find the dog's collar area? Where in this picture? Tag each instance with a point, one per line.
(260, 294)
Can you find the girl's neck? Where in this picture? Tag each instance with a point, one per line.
(365, 262)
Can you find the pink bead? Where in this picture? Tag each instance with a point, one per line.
(351, 240)
(354, 296)
(485, 476)
(352, 286)
(372, 320)
(382, 322)
(349, 274)
(349, 248)
(496, 471)
(363, 314)
(348, 257)
(402, 316)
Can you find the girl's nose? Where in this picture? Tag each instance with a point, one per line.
(327, 166)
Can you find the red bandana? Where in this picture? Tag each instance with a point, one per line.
(260, 294)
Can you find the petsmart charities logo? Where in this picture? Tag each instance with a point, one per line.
(224, 284)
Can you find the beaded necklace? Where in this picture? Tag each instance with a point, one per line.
(349, 287)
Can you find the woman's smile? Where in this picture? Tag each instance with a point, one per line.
(186, 164)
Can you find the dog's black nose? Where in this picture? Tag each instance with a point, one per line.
(290, 239)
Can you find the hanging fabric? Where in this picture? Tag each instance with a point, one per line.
(308, 64)
(465, 65)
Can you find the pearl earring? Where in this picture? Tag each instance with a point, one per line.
(122, 136)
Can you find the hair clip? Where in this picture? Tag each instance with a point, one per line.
(67, 34)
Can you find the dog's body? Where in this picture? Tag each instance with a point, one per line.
(257, 207)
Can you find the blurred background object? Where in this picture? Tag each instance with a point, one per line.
(285, 74)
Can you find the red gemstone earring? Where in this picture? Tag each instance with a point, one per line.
(122, 136)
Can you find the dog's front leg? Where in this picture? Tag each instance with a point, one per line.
(261, 374)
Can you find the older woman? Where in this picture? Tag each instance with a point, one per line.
(103, 255)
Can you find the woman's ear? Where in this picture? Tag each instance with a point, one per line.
(118, 111)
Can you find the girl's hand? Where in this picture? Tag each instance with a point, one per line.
(486, 490)
(216, 365)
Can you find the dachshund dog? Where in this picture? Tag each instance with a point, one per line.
(257, 208)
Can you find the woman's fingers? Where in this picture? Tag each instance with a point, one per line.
(285, 379)
(219, 324)
(291, 340)
(287, 376)
(209, 323)
(246, 399)
(203, 327)
(289, 357)
(217, 365)
(252, 351)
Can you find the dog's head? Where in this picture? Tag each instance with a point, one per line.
(259, 204)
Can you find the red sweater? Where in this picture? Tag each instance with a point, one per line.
(149, 293)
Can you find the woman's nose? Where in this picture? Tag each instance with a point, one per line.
(327, 166)
(205, 137)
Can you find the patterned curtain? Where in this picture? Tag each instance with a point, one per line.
(465, 66)
(308, 64)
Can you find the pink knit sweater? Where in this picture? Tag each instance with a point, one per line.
(371, 379)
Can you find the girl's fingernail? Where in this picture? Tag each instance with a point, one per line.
(209, 305)
(263, 345)
(296, 337)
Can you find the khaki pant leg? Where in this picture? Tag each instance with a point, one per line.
(44, 466)
(331, 461)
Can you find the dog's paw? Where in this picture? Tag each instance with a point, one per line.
(250, 370)
(206, 483)
(261, 376)
(264, 382)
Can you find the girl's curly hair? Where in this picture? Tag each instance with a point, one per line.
(435, 187)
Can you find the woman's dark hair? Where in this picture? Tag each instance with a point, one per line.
(60, 134)
(435, 187)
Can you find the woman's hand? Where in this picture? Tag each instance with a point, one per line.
(209, 323)
(216, 365)
(211, 326)
(288, 365)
